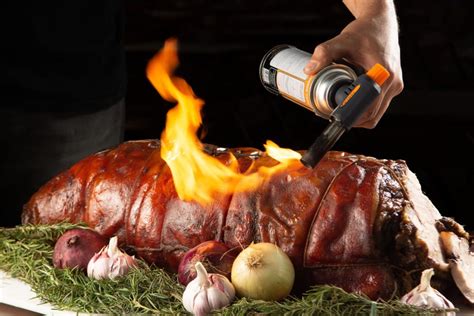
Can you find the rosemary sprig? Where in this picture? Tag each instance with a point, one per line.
(26, 252)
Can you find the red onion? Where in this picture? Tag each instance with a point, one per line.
(76, 247)
(214, 255)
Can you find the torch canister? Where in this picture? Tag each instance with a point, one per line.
(281, 72)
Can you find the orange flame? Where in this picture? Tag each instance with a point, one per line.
(284, 155)
(198, 176)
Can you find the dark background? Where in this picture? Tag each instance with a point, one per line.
(430, 125)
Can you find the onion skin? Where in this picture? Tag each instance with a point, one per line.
(263, 271)
(216, 257)
(76, 247)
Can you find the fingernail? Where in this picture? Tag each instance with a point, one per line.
(310, 67)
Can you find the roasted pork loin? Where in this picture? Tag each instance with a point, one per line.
(357, 222)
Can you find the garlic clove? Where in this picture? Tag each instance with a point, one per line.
(116, 267)
(98, 265)
(223, 284)
(110, 262)
(189, 295)
(207, 292)
(201, 306)
(216, 298)
(92, 261)
(426, 296)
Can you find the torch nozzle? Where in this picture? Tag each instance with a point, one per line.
(323, 144)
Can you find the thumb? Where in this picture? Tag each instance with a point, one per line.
(327, 52)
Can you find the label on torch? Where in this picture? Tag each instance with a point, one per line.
(290, 78)
(281, 72)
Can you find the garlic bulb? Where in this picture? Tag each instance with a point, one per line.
(110, 262)
(427, 297)
(207, 292)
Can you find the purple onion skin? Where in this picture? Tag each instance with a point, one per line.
(76, 247)
(214, 255)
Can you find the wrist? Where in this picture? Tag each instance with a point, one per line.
(370, 9)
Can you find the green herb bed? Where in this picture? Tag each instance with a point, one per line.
(26, 252)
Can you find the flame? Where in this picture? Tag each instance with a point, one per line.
(198, 176)
(283, 155)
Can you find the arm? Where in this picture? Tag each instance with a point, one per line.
(371, 38)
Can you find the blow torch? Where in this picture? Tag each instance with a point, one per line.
(356, 99)
(337, 92)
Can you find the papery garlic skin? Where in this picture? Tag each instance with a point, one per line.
(207, 292)
(98, 266)
(427, 297)
(110, 262)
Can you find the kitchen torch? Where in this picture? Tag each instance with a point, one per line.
(359, 96)
(335, 92)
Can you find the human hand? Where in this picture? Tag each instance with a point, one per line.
(371, 38)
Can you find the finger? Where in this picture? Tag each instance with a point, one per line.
(395, 88)
(384, 105)
(392, 87)
(373, 114)
(374, 120)
(368, 118)
(382, 109)
(327, 52)
(376, 113)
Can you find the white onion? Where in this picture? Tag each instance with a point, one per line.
(263, 271)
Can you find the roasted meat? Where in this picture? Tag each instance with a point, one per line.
(353, 221)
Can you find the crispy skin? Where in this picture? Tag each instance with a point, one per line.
(353, 221)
